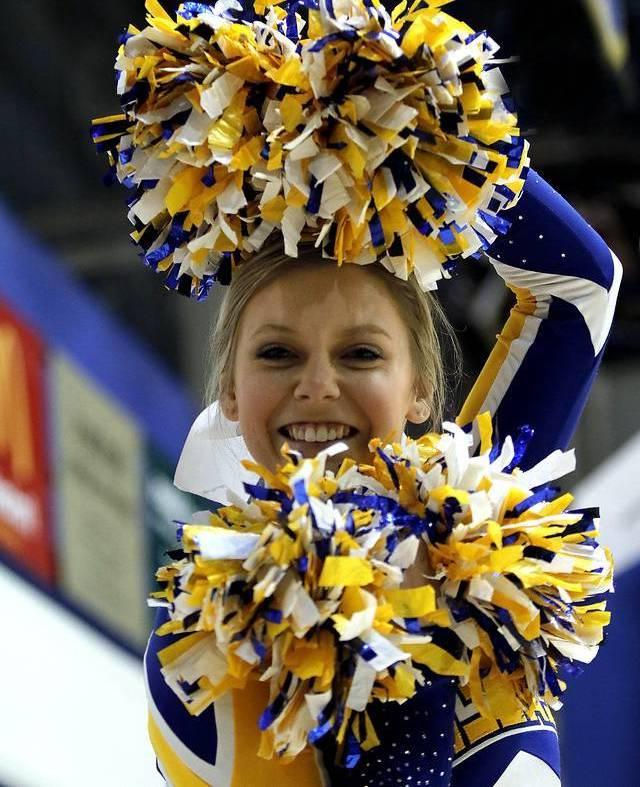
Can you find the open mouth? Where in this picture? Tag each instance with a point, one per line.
(317, 433)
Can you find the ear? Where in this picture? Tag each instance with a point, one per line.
(419, 411)
(229, 405)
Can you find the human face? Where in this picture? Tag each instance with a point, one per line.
(322, 355)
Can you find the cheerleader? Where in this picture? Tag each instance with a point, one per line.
(307, 353)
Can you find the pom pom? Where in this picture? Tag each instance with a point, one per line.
(305, 586)
(379, 137)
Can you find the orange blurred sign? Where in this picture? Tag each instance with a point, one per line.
(25, 532)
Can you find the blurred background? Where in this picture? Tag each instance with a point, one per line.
(102, 372)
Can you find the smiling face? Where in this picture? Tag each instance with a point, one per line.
(322, 355)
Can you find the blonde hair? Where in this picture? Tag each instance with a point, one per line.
(425, 320)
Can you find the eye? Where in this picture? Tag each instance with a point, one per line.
(363, 353)
(274, 352)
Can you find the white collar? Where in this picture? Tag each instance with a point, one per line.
(209, 464)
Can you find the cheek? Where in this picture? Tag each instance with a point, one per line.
(385, 398)
(258, 397)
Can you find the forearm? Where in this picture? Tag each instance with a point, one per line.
(566, 281)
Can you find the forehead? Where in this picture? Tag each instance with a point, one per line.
(324, 297)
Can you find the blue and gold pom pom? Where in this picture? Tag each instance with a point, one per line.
(379, 136)
(305, 586)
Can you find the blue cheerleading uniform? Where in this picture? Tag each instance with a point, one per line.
(565, 281)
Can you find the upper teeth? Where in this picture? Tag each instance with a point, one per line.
(317, 433)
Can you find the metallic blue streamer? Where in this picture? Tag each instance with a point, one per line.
(343, 35)
(271, 712)
(474, 176)
(291, 25)
(259, 648)
(437, 201)
(155, 257)
(319, 732)
(446, 236)
(390, 467)
(418, 220)
(206, 284)
(505, 192)
(114, 127)
(208, 178)
(497, 223)
(177, 236)
(539, 553)
(484, 241)
(323, 547)
(192, 10)
(412, 626)
(315, 196)
(509, 103)
(544, 495)
(273, 615)
(174, 281)
(507, 660)
(366, 651)
(552, 681)
(353, 751)
(392, 541)
(473, 36)
(494, 453)
(136, 95)
(524, 437)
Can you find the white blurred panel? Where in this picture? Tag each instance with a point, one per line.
(615, 488)
(73, 704)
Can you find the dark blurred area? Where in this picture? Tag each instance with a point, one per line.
(574, 75)
(575, 80)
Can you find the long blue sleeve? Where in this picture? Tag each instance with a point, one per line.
(566, 282)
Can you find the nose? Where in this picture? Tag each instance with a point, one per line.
(318, 380)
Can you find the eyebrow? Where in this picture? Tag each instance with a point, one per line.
(356, 329)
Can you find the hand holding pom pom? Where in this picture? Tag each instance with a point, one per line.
(304, 586)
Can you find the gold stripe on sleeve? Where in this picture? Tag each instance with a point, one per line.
(512, 330)
(176, 771)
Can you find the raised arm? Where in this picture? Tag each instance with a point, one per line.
(566, 282)
(539, 373)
